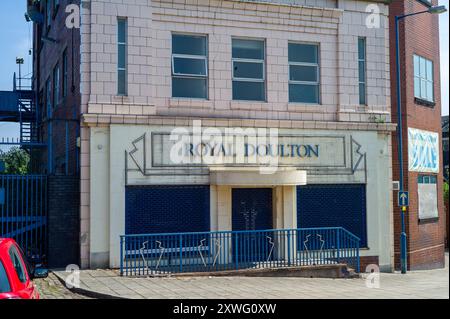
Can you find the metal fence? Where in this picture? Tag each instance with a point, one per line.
(23, 211)
(154, 254)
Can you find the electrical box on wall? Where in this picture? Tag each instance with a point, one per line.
(395, 185)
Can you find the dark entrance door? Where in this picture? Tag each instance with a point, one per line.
(252, 210)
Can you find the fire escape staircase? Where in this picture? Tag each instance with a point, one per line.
(19, 106)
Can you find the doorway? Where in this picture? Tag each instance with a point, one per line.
(252, 211)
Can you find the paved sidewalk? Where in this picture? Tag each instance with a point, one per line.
(415, 284)
(51, 288)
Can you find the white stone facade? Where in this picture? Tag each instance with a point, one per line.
(334, 25)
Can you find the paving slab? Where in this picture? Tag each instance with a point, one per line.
(415, 284)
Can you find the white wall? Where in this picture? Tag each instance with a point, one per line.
(108, 227)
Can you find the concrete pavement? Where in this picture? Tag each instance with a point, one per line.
(415, 284)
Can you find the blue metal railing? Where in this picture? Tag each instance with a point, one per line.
(154, 254)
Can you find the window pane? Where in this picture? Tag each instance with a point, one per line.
(248, 70)
(56, 84)
(65, 74)
(303, 93)
(122, 30)
(18, 265)
(189, 66)
(188, 44)
(122, 56)
(416, 66)
(361, 49)
(417, 87)
(429, 71)
(303, 73)
(362, 71)
(422, 68)
(423, 89)
(362, 94)
(307, 53)
(121, 82)
(430, 91)
(433, 179)
(251, 91)
(4, 282)
(192, 88)
(248, 49)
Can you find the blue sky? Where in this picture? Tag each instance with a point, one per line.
(15, 39)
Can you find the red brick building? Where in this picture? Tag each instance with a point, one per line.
(57, 78)
(421, 109)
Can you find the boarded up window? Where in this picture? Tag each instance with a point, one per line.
(427, 190)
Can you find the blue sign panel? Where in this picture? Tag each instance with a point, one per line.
(403, 199)
(2, 196)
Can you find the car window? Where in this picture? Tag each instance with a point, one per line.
(4, 283)
(18, 265)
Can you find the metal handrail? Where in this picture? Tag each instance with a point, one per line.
(165, 253)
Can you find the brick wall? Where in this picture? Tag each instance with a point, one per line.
(418, 35)
(63, 220)
(67, 109)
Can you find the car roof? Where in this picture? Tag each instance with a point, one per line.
(4, 241)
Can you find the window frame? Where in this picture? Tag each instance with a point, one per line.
(179, 75)
(55, 6)
(65, 73)
(56, 87)
(249, 60)
(48, 96)
(48, 14)
(311, 83)
(364, 60)
(125, 69)
(427, 179)
(418, 95)
(187, 56)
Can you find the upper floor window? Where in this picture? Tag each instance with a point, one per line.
(65, 72)
(304, 83)
(48, 13)
(362, 71)
(56, 85)
(122, 84)
(423, 79)
(189, 66)
(48, 96)
(248, 58)
(427, 179)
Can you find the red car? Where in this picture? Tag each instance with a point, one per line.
(15, 278)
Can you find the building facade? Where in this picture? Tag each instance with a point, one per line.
(56, 82)
(421, 115)
(309, 74)
(445, 153)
